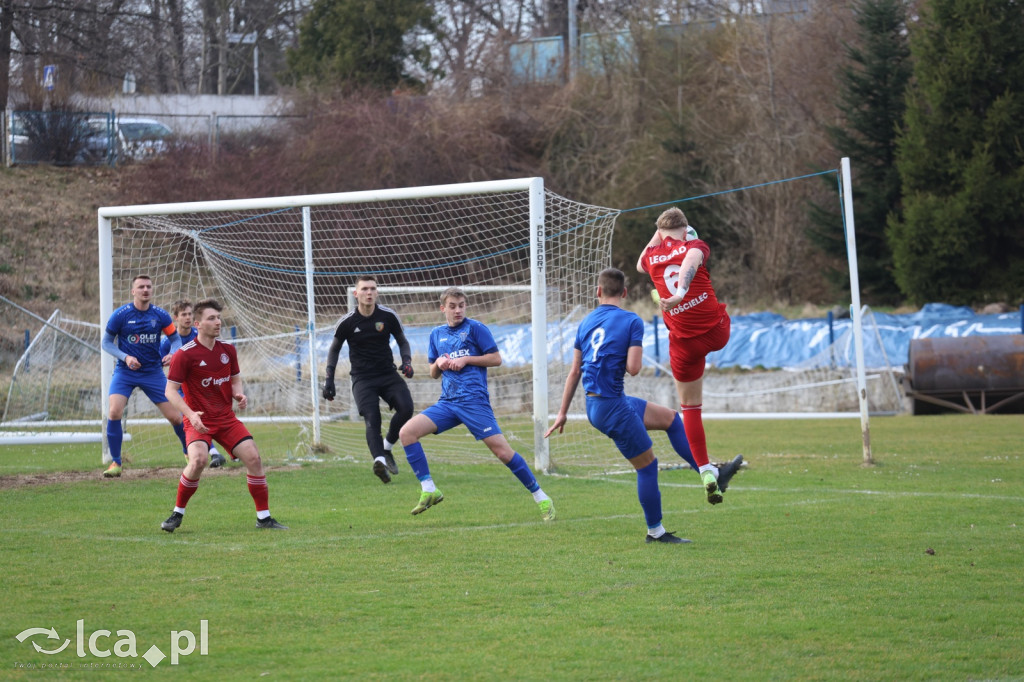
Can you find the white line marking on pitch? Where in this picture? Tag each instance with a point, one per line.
(295, 536)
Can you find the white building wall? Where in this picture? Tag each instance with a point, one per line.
(193, 105)
(196, 114)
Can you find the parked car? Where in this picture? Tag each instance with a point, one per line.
(125, 138)
(100, 141)
(142, 138)
(21, 146)
(69, 137)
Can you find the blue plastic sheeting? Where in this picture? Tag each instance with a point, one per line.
(761, 339)
(769, 340)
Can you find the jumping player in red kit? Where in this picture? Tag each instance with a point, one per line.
(697, 325)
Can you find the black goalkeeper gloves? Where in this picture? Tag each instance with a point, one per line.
(406, 369)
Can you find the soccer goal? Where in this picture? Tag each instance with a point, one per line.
(53, 396)
(284, 267)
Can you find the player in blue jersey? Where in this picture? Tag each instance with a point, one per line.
(609, 343)
(133, 337)
(460, 352)
(181, 312)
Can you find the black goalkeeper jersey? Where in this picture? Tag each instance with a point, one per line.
(369, 341)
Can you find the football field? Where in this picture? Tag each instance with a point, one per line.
(815, 567)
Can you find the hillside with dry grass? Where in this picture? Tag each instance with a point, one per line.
(48, 252)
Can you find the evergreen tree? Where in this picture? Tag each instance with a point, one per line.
(872, 100)
(961, 156)
(361, 43)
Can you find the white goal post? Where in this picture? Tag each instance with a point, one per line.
(855, 307)
(283, 267)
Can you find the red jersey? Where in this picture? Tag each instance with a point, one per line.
(205, 377)
(699, 310)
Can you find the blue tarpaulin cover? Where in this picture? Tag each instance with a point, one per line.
(766, 339)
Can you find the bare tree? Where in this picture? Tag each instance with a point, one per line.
(471, 44)
(664, 111)
(6, 33)
(168, 45)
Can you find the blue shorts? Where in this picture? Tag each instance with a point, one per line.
(618, 419)
(153, 384)
(478, 418)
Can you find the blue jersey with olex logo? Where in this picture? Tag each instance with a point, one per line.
(468, 339)
(165, 341)
(604, 338)
(138, 334)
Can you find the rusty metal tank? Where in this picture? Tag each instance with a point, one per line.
(966, 370)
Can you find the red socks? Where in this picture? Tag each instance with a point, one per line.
(258, 490)
(694, 426)
(186, 489)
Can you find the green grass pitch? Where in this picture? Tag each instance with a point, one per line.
(814, 568)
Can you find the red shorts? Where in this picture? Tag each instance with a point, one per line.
(688, 356)
(228, 431)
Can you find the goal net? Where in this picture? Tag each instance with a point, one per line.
(54, 394)
(284, 269)
(823, 385)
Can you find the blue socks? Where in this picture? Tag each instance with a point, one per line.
(649, 493)
(677, 436)
(114, 437)
(417, 461)
(518, 466)
(179, 429)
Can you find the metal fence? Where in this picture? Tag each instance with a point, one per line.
(78, 138)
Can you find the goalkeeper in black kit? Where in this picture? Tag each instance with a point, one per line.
(368, 330)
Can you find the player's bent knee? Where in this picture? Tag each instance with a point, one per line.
(116, 412)
(642, 460)
(407, 434)
(658, 417)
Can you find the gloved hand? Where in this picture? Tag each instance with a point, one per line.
(329, 391)
(406, 369)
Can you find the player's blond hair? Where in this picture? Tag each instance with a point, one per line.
(452, 292)
(672, 219)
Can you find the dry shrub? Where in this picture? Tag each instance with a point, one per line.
(355, 143)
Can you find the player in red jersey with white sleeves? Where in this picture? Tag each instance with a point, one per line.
(207, 370)
(697, 325)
